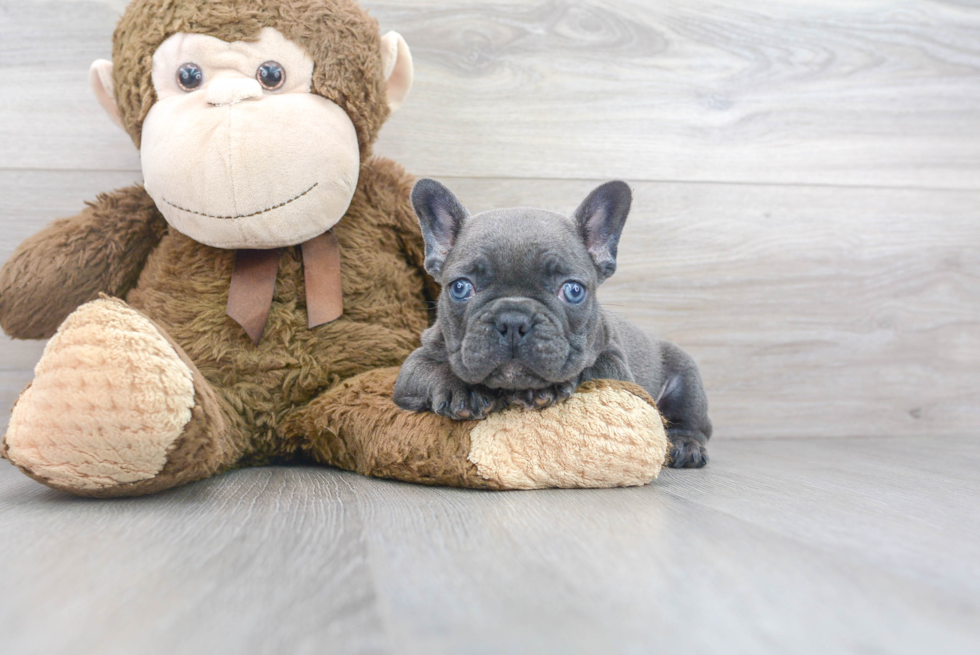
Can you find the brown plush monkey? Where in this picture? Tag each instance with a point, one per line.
(247, 304)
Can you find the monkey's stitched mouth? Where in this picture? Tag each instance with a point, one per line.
(261, 211)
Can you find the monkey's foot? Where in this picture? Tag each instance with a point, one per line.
(608, 434)
(111, 399)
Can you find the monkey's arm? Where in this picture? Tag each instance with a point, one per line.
(73, 260)
(357, 427)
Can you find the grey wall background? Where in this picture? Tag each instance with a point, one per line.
(807, 177)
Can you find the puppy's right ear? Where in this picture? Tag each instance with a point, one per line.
(601, 218)
(440, 215)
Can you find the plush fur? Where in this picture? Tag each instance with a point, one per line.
(610, 435)
(72, 261)
(606, 435)
(321, 395)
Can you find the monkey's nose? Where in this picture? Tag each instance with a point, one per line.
(513, 326)
(229, 91)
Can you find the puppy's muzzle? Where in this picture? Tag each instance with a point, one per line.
(514, 327)
(512, 344)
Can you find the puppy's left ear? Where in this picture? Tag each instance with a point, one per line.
(441, 215)
(601, 218)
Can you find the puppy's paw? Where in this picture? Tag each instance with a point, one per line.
(540, 398)
(686, 452)
(464, 403)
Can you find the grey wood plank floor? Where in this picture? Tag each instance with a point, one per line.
(780, 545)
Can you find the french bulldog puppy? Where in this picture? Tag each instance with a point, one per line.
(518, 322)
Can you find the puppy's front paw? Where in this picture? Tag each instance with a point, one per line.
(686, 452)
(540, 398)
(463, 403)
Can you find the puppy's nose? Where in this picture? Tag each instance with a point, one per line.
(228, 91)
(513, 326)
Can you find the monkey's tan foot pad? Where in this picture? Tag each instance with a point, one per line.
(109, 399)
(608, 434)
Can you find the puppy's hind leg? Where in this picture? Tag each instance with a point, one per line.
(683, 402)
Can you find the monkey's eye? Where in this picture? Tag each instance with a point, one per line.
(190, 76)
(271, 75)
(461, 290)
(572, 292)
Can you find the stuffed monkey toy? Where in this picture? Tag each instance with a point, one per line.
(251, 301)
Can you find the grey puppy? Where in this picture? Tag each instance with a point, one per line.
(518, 322)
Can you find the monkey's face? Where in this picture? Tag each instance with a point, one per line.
(236, 152)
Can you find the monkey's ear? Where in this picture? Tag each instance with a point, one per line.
(601, 218)
(100, 79)
(396, 62)
(441, 215)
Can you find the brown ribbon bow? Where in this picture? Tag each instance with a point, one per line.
(253, 284)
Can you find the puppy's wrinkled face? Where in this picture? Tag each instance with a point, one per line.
(518, 309)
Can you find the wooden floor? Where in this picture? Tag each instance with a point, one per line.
(779, 546)
(806, 224)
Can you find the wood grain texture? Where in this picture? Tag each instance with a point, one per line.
(804, 546)
(53, 120)
(877, 92)
(221, 568)
(852, 312)
(874, 92)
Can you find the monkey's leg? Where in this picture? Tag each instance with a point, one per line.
(117, 409)
(608, 434)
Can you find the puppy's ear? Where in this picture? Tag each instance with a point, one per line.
(601, 218)
(440, 215)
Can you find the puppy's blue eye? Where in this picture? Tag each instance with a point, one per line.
(572, 293)
(460, 290)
